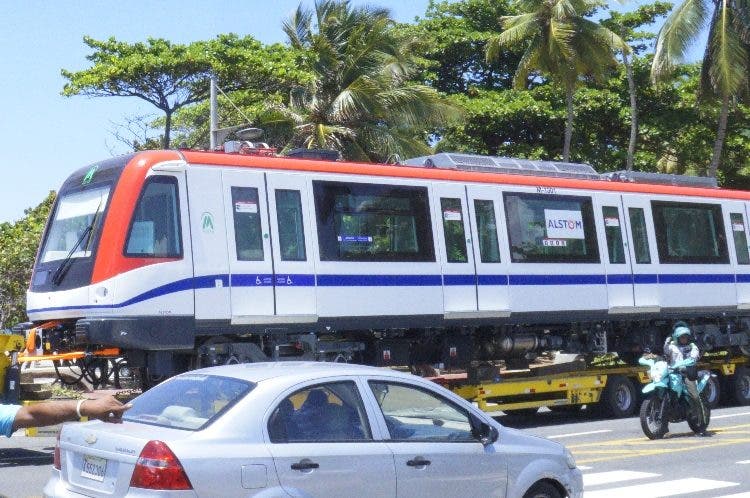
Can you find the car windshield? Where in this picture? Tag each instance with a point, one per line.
(188, 401)
(75, 215)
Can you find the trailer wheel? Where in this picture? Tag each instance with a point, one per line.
(741, 386)
(619, 398)
(712, 392)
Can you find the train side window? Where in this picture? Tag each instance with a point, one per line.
(291, 225)
(489, 250)
(453, 228)
(689, 233)
(550, 228)
(740, 239)
(155, 227)
(640, 236)
(248, 235)
(613, 232)
(372, 222)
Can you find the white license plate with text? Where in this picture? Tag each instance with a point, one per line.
(94, 468)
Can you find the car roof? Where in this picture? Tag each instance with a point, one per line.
(294, 370)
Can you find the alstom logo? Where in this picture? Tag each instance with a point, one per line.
(565, 224)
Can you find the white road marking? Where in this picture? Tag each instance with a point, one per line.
(741, 462)
(661, 488)
(614, 476)
(572, 434)
(729, 415)
(584, 467)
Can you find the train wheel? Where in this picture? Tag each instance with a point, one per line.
(619, 398)
(741, 385)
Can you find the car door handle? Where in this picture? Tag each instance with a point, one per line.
(417, 462)
(305, 466)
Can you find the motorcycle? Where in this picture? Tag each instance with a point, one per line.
(667, 399)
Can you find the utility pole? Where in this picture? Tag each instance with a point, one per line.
(214, 118)
(218, 135)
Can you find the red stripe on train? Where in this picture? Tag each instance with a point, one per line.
(110, 260)
(383, 170)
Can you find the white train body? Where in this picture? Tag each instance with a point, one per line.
(185, 247)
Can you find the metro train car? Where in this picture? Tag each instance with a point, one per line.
(184, 258)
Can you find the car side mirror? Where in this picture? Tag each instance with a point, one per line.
(484, 432)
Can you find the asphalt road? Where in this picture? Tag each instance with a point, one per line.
(616, 458)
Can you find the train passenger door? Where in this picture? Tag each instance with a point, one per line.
(291, 213)
(740, 237)
(249, 241)
(456, 253)
(615, 254)
(491, 256)
(641, 244)
(209, 245)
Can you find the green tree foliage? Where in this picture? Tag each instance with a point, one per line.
(451, 42)
(18, 247)
(626, 25)
(726, 60)
(360, 101)
(171, 76)
(560, 43)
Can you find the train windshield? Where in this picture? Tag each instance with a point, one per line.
(76, 220)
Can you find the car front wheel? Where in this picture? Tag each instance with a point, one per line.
(543, 489)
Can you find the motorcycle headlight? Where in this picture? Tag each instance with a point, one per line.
(569, 459)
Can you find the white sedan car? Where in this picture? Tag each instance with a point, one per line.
(303, 430)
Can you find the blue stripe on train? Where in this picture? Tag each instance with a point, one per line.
(379, 280)
(308, 280)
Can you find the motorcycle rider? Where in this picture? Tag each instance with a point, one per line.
(680, 347)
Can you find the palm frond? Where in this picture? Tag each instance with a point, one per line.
(518, 29)
(298, 27)
(728, 56)
(529, 60)
(676, 35)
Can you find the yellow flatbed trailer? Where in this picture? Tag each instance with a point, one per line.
(614, 389)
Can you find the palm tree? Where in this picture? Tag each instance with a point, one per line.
(560, 43)
(725, 60)
(359, 101)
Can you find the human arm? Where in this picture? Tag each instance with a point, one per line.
(695, 353)
(106, 408)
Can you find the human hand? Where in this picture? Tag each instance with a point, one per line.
(106, 408)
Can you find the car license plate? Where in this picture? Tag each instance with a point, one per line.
(94, 468)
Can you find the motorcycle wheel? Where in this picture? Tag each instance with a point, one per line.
(697, 427)
(653, 428)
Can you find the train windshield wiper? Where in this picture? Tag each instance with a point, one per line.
(87, 234)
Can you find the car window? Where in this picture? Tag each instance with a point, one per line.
(189, 401)
(320, 413)
(414, 414)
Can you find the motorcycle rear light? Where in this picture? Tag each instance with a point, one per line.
(56, 454)
(158, 468)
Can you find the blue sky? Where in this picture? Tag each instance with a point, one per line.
(46, 136)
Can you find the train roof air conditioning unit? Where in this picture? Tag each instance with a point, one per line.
(661, 179)
(504, 165)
